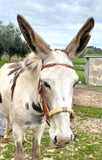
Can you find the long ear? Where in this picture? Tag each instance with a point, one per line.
(35, 42)
(77, 45)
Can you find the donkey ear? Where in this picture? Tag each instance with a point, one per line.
(77, 45)
(35, 42)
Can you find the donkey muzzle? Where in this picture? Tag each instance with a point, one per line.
(60, 143)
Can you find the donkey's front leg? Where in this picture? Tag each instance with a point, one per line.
(5, 140)
(18, 133)
(36, 142)
(35, 149)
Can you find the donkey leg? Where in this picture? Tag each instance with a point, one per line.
(35, 149)
(24, 141)
(5, 139)
(18, 133)
(36, 143)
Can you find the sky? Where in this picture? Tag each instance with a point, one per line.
(56, 21)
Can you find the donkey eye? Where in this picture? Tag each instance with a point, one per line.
(47, 85)
(75, 84)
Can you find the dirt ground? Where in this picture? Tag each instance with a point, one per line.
(88, 96)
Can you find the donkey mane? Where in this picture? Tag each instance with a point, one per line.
(31, 62)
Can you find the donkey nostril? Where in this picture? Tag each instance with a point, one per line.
(55, 140)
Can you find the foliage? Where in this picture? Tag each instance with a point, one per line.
(11, 42)
(1, 42)
(92, 51)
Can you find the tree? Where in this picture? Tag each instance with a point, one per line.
(18, 43)
(1, 49)
(11, 41)
(21, 48)
(1, 40)
(25, 49)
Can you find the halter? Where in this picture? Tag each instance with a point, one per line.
(48, 113)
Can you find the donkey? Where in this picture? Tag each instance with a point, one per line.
(40, 88)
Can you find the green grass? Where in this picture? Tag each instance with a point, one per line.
(88, 148)
(79, 61)
(3, 61)
(10, 151)
(85, 111)
(80, 73)
(81, 76)
(79, 68)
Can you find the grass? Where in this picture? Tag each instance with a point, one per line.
(79, 68)
(81, 76)
(3, 61)
(86, 146)
(86, 111)
(79, 65)
(79, 61)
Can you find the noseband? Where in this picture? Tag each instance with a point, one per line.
(44, 105)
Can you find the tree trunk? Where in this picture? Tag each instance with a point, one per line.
(9, 58)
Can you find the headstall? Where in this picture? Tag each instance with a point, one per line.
(48, 113)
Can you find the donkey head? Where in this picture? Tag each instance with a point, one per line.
(57, 81)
